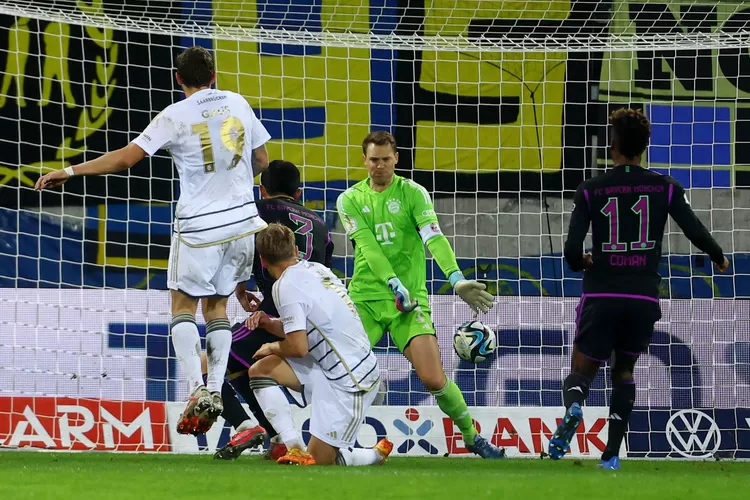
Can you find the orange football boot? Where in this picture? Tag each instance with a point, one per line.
(295, 456)
(385, 448)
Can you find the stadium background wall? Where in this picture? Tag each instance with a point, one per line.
(100, 348)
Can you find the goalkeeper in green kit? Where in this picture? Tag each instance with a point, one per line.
(389, 218)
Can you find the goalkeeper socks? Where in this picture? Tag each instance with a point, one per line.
(620, 408)
(187, 348)
(218, 344)
(453, 404)
(575, 389)
(358, 456)
(233, 412)
(276, 409)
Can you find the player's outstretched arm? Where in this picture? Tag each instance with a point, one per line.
(696, 232)
(471, 291)
(156, 136)
(579, 226)
(110, 163)
(357, 230)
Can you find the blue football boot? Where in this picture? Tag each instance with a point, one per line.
(559, 445)
(484, 448)
(611, 464)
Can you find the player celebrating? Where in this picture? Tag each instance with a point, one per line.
(627, 208)
(279, 187)
(326, 356)
(217, 144)
(386, 216)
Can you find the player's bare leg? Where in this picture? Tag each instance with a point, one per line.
(187, 347)
(266, 377)
(620, 407)
(424, 354)
(575, 391)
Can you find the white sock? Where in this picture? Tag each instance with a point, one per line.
(360, 456)
(187, 347)
(218, 344)
(276, 409)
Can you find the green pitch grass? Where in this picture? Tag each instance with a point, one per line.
(102, 476)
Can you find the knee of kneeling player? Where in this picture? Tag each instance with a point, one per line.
(258, 370)
(264, 366)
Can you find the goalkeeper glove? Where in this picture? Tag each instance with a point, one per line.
(403, 301)
(472, 292)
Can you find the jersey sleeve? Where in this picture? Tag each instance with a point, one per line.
(579, 226)
(293, 305)
(696, 232)
(258, 133)
(350, 215)
(422, 210)
(425, 218)
(358, 231)
(159, 134)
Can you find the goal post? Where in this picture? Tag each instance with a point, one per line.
(499, 109)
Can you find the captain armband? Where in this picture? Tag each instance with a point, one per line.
(430, 231)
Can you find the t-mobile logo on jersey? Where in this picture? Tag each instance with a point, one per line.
(384, 232)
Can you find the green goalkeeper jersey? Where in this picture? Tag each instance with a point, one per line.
(397, 221)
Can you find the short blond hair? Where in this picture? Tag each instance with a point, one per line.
(275, 243)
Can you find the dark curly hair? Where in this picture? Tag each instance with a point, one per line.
(631, 131)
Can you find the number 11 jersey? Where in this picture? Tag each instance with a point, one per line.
(627, 208)
(211, 136)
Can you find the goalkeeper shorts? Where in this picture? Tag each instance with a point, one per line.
(380, 316)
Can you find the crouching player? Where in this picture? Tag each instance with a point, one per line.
(325, 356)
(280, 190)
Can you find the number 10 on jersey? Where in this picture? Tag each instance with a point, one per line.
(612, 211)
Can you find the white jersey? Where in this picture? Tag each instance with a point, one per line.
(310, 297)
(211, 136)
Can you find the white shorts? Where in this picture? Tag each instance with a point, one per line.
(337, 415)
(210, 271)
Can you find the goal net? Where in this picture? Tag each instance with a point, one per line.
(500, 111)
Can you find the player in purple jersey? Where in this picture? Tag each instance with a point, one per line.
(627, 209)
(279, 188)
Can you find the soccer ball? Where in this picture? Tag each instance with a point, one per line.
(473, 341)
